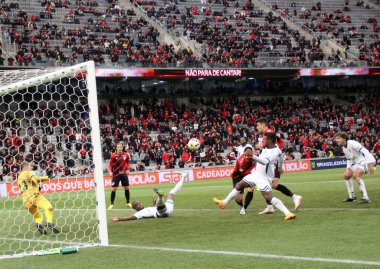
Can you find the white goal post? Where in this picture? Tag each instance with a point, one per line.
(50, 118)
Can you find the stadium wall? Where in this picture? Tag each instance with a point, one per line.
(169, 176)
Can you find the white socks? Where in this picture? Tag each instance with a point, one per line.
(277, 203)
(363, 189)
(270, 207)
(232, 195)
(350, 188)
(178, 186)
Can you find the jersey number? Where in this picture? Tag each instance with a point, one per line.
(23, 186)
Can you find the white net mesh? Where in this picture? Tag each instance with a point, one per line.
(47, 125)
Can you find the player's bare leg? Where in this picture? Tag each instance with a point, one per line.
(160, 202)
(247, 200)
(239, 201)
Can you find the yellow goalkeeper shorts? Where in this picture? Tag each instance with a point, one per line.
(37, 201)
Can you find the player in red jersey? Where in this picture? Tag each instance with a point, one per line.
(263, 128)
(244, 165)
(118, 169)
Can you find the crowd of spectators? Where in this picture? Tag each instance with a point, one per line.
(56, 140)
(231, 33)
(151, 129)
(155, 132)
(341, 21)
(104, 33)
(236, 35)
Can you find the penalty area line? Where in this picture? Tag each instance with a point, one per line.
(250, 254)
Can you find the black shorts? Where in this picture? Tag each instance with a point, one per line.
(236, 181)
(276, 172)
(120, 178)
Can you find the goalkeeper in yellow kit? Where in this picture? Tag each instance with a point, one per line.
(29, 186)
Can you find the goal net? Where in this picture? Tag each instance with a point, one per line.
(50, 119)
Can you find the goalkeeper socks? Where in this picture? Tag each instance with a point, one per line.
(127, 195)
(284, 190)
(49, 216)
(240, 203)
(248, 199)
(113, 195)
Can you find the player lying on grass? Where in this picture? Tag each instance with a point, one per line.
(160, 208)
(359, 162)
(262, 176)
(33, 200)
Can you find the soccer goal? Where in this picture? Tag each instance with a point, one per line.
(50, 118)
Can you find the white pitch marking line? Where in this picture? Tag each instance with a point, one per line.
(43, 241)
(164, 186)
(250, 254)
(208, 209)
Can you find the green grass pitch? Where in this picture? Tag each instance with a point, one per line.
(325, 228)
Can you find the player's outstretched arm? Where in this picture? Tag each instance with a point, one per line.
(114, 219)
(36, 178)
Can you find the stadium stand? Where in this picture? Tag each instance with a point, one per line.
(155, 131)
(152, 127)
(230, 33)
(67, 32)
(352, 24)
(235, 33)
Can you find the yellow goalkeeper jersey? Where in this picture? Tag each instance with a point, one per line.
(29, 183)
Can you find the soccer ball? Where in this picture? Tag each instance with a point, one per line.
(194, 144)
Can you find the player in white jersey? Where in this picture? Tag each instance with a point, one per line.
(243, 144)
(161, 209)
(261, 177)
(359, 162)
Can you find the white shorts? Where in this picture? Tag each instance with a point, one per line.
(363, 167)
(168, 210)
(263, 183)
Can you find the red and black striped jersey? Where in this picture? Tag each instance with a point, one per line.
(243, 167)
(119, 163)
